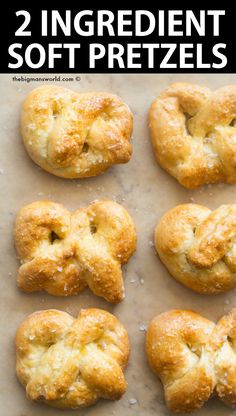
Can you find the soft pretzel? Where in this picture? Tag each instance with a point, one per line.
(70, 363)
(62, 253)
(198, 246)
(193, 357)
(76, 135)
(193, 133)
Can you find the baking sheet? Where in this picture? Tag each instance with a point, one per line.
(147, 192)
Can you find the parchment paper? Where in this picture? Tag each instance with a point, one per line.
(147, 192)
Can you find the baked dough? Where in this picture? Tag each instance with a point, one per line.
(193, 133)
(193, 357)
(71, 363)
(198, 246)
(76, 135)
(63, 253)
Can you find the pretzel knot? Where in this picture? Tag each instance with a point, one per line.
(76, 135)
(198, 247)
(193, 132)
(63, 253)
(193, 357)
(69, 363)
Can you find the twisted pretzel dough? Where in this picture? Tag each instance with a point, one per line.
(70, 363)
(193, 132)
(76, 135)
(193, 357)
(198, 246)
(63, 253)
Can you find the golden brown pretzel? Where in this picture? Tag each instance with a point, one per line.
(70, 363)
(193, 133)
(76, 135)
(198, 246)
(63, 253)
(193, 357)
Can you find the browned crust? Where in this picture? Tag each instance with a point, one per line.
(192, 130)
(71, 363)
(193, 357)
(62, 253)
(197, 246)
(76, 135)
